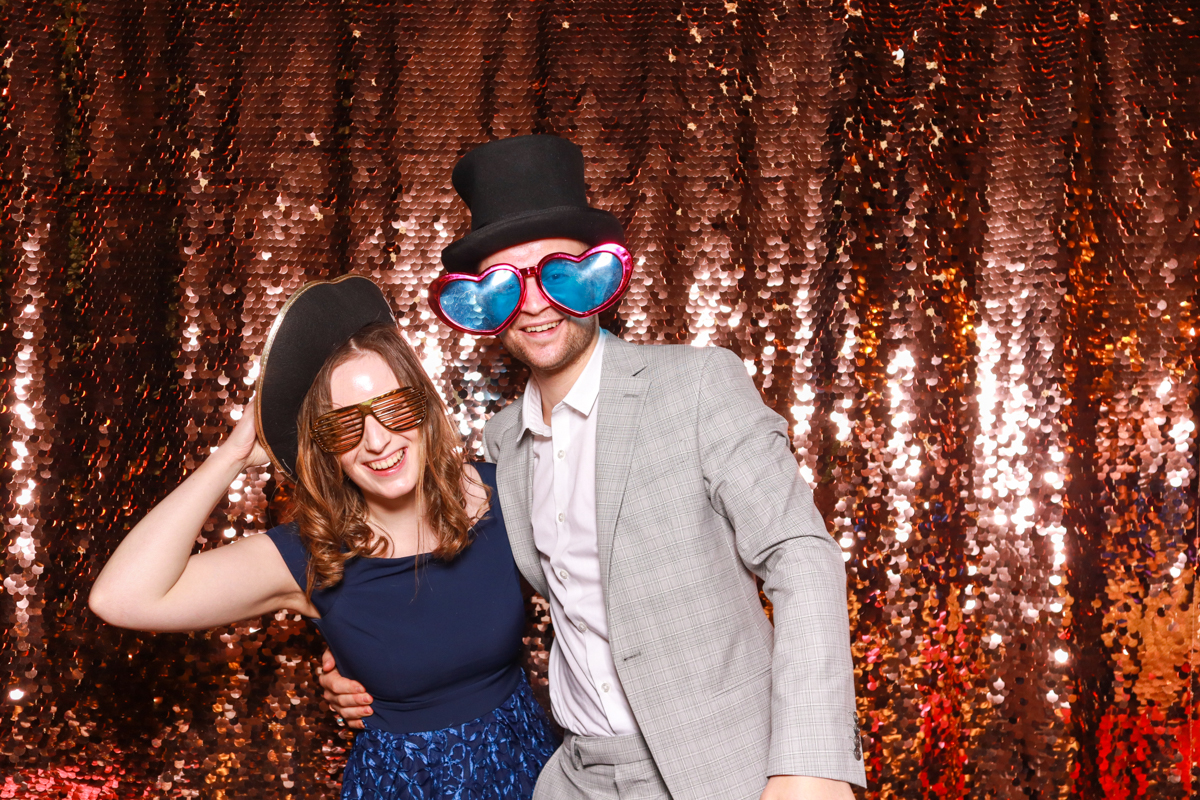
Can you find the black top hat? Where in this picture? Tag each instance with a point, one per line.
(316, 320)
(521, 189)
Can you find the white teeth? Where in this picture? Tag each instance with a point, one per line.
(540, 328)
(388, 463)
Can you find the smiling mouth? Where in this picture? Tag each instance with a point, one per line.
(540, 328)
(389, 462)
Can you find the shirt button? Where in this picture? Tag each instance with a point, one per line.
(605, 687)
(562, 453)
(582, 626)
(562, 517)
(562, 573)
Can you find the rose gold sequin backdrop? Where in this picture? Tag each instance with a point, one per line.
(955, 243)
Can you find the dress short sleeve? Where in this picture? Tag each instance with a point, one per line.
(287, 542)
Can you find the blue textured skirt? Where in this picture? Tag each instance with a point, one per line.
(495, 757)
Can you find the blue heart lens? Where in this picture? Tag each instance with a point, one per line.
(482, 305)
(585, 286)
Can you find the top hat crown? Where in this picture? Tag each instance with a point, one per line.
(521, 189)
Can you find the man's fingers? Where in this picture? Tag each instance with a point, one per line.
(333, 683)
(354, 712)
(347, 698)
(347, 702)
(342, 702)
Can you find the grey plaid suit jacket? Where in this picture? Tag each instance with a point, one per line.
(697, 491)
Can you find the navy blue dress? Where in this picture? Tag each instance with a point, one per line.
(438, 646)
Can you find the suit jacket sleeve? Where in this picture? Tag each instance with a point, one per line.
(490, 447)
(753, 480)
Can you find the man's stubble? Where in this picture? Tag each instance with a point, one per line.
(576, 344)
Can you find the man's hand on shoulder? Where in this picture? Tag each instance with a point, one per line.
(347, 698)
(801, 787)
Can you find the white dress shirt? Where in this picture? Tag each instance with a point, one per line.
(585, 691)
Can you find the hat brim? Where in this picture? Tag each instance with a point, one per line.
(315, 321)
(589, 225)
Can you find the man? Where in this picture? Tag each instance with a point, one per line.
(644, 488)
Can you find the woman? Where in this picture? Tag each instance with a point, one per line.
(397, 551)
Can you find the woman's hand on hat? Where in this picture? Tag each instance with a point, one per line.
(242, 445)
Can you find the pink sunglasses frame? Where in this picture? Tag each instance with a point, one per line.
(523, 274)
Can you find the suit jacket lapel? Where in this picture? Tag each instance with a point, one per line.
(514, 479)
(620, 406)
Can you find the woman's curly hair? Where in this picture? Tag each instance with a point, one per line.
(328, 506)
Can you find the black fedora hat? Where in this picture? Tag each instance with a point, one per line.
(521, 189)
(316, 320)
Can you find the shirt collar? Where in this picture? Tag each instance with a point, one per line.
(581, 398)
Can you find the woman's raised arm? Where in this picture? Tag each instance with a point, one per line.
(153, 582)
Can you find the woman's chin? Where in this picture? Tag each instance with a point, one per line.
(385, 488)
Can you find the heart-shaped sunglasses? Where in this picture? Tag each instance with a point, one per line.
(487, 303)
